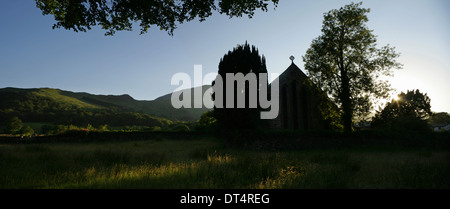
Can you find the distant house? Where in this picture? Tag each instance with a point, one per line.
(362, 126)
(299, 102)
(446, 128)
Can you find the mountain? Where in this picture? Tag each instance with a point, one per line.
(59, 106)
(184, 114)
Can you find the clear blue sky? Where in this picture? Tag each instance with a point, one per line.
(33, 55)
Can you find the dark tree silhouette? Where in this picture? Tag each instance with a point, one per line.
(440, 118)
(118, 15)
(26, 131)
(246, 60)
(207, 121)
(346, 64)
(409, 111)
(13, 125)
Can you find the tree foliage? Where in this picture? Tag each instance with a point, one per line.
(207, 121)
(346, 63)
(13, 125)
(440, 118)
(119, 15)
(409, 111)
(243, 59)
(26, 131)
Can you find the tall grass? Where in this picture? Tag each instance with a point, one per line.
(206, 163)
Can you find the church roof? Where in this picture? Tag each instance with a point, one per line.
(292, 73)
(294, 70)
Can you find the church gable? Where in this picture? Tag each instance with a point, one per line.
(298, 102)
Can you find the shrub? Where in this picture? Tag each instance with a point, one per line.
(26, 131)
(13, 125)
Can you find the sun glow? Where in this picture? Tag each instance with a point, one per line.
(396, 98)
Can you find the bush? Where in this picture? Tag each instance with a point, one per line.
(207, 122)
(26, 131)
(13, 125)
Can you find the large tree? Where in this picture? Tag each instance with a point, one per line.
(245, 60)
(344, 61)
(118, 15)
(409, 111)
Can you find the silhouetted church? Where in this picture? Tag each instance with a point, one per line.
(299, 102)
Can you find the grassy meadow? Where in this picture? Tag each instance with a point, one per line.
(208, 163)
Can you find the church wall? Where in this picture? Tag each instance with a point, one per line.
(298, 105)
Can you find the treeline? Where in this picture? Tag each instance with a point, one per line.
(82, 118)
(65, 129)
(15, 127)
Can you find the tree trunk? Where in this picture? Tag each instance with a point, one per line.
(346, 102)
(345, 94)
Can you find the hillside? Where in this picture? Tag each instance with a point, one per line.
(66, 107)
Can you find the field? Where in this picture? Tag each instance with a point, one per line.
(208, 163)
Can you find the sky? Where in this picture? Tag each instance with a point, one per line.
(33, 55)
